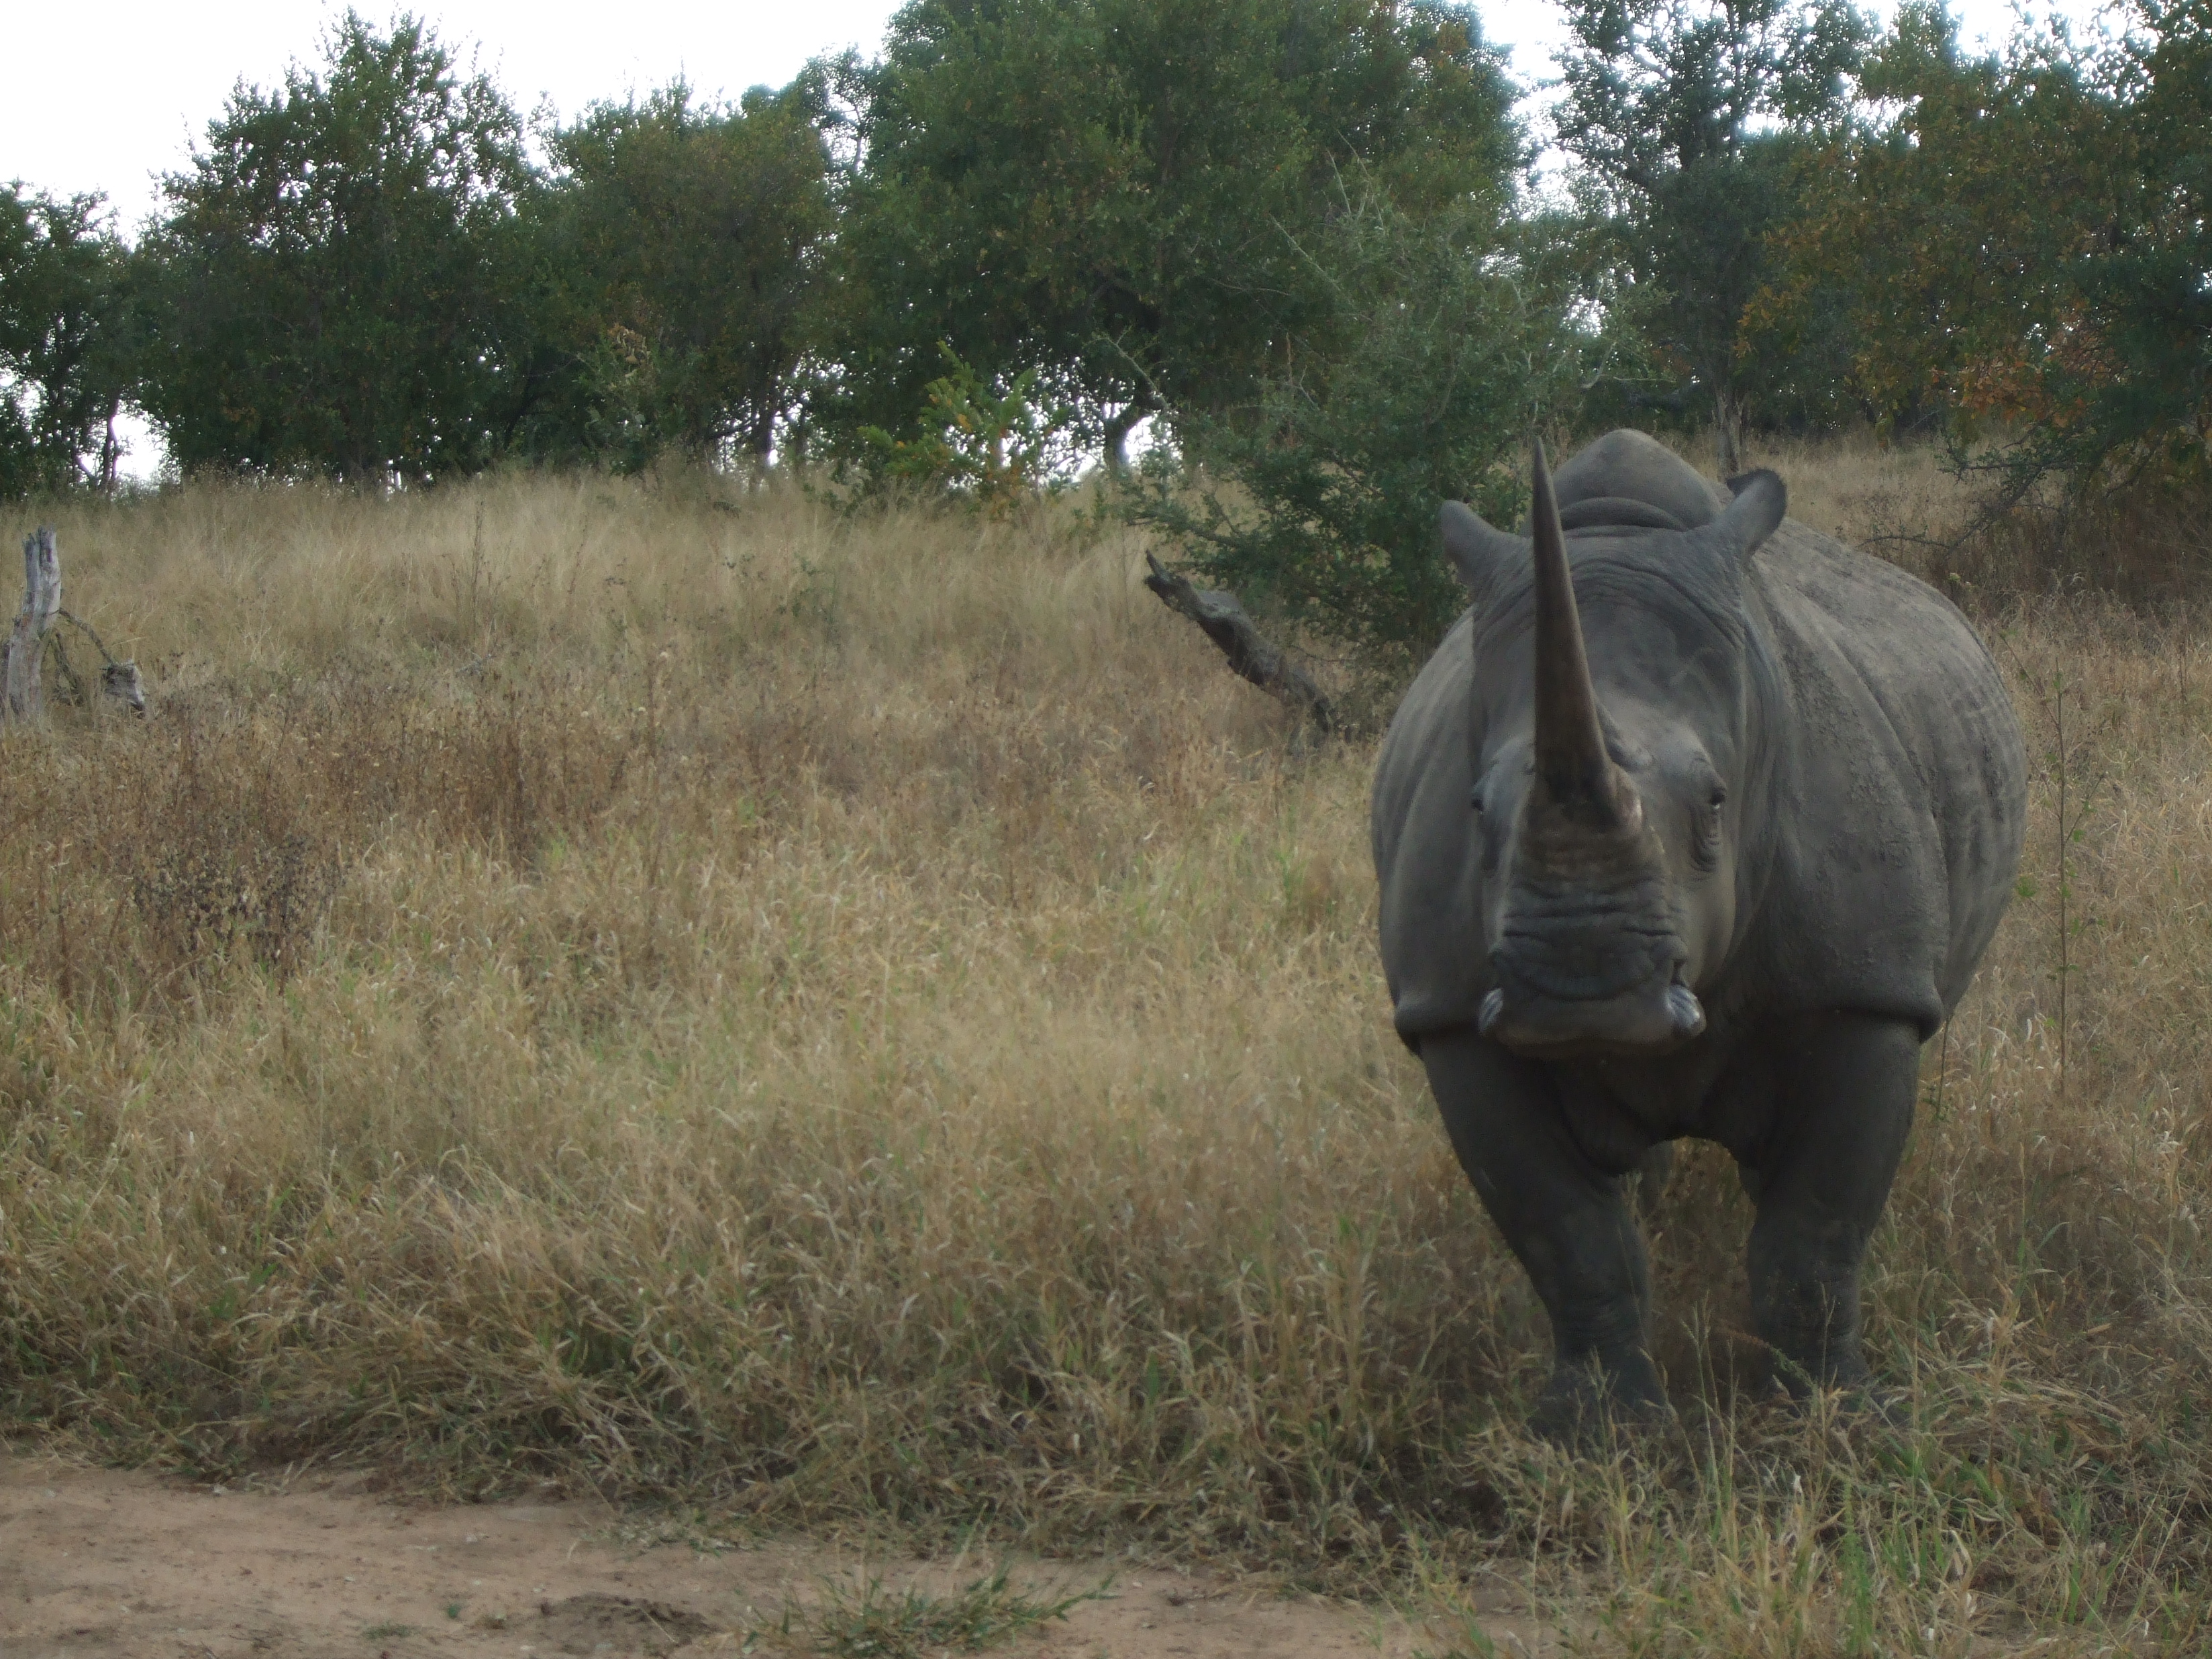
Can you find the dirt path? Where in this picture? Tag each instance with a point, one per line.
(123, 1566)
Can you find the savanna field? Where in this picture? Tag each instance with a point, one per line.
(861, 1024)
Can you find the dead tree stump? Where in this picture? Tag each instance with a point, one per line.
(21, 697)
(23, 651)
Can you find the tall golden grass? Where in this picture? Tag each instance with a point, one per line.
(863, 1022)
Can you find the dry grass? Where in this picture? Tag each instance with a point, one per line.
(867, 1025)
(2148, 545)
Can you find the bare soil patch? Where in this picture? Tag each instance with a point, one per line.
(128, 1564)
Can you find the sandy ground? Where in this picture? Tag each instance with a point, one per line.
(128, 1566)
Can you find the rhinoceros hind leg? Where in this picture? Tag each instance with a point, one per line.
(1844, 1107)
(1568, 1222)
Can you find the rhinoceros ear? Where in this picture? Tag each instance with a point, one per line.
(1478, 551)
(1761, 500)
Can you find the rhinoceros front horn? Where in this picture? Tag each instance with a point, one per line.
(1570, 758)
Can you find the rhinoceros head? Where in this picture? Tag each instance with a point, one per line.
(1606, 762)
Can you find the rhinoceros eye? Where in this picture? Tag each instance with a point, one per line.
(1705, 831)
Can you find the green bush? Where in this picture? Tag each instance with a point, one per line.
(1447, 342)
(974, 442)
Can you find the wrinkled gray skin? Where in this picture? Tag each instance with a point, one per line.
(1696, 824)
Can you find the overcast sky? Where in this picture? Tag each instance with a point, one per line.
(107, 100)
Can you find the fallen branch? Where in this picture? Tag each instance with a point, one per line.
(119, 677)
(1224, 620)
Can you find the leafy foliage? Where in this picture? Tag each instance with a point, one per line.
(991, 447)
(1947, 222)
(2025, 243)
(1665, 108)
(678, 243)
(2144, 392)
(362, 275)
(1446, 341)
(1127, 228)
(64, 341)
(334, 289)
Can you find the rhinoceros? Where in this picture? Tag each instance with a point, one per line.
(1697, 824)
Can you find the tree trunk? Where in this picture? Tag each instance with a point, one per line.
(1119, 427)
(1727, 430)
(760, 437)
(111, 450)
(20, 695)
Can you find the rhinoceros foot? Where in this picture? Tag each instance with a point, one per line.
(1853, 1398)
(1583, 1403)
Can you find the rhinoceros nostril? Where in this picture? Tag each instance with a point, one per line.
(1492, 1006)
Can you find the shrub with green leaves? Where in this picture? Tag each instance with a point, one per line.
(1448, 341)
(677, 243)
(65, 341)
(339, 283)
(989, 445)
(1129, 228)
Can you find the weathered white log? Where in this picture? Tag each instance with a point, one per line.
(20, 695)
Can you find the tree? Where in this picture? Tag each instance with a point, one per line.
(1664, 106)
(2145, 393)
(63, 351)
(1111, 193)
(678, 243)
(336, 288)
(1448, 338)
(2025, 242)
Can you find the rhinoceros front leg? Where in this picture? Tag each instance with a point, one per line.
(1846, 1085)
(1568, 1220)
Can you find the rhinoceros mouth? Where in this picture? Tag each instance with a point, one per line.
(1652, 1020)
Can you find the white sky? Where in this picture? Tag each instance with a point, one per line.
(118, 95)
(109, 111)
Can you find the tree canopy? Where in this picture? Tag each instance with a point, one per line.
(2024, 242)
(677, 243)
(1446, 341)
(334, 288)
(66, 318)
(1117, 194)
(1690, 118)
